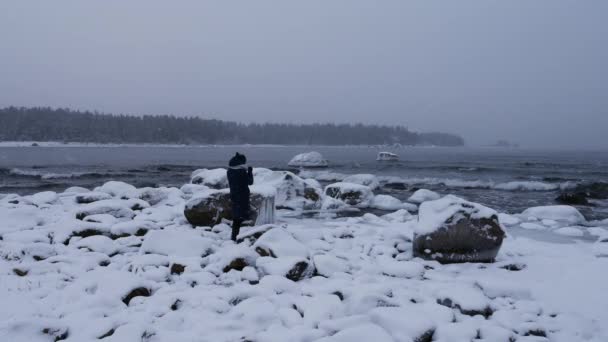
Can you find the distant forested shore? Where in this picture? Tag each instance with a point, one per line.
(65, 125)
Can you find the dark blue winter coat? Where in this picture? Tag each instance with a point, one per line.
(239, 179)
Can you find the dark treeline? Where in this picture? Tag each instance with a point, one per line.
(47, 124)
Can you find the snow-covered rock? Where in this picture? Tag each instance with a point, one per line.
(118, 189)
(277, 242)
(350, 193)
(423, 195)
(310, 159)
(213, 178)
(386, 202)
(363, 179)
(560, 213)
(454, 230)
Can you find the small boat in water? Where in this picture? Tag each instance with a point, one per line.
(387, 156)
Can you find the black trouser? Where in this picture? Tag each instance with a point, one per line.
(236, 227)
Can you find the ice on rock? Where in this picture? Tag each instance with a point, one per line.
(423, 195)
(291, 191)
(213, 178)
(433, 215)
(310, 159)
(560, 213)
(183, 242)
(363, 179)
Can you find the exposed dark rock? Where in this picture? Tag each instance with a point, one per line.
(396, 186)
(92, 197)
(536, 332)
(339, 295)
(19, 272)
(58, 334)
(573, 198)
(462, 238)
(107, 334)
(299, 271)
(237, 264)
(265, 252)
(426, 337)
(595, 190)
(138, 292)
(485, 312)
(176, 305)
(211, 210)
(514, 267)
(177, 269)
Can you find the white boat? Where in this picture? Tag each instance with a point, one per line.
(387, 156)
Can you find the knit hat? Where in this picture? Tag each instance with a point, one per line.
(238, 159)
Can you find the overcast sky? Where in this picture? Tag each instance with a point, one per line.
(532, 71)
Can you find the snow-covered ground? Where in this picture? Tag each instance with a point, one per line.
(122, 264)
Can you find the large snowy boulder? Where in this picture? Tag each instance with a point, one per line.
(559, 213)
(423, 195)
(211, 207)
(350, 193)
(310, 159)
(452, 230)
(292, 192)
(214, 178)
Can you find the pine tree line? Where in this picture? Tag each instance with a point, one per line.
(48, 124)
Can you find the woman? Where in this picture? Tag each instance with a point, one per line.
(239, 178)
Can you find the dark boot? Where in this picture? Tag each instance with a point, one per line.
(236, 227)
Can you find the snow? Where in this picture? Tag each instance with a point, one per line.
(423, 195)
(562, 213)
(310, 159)
(188, 243)
(432, 215)
(367, 286)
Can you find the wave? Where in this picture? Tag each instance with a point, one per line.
(520, 185)
(51, 175)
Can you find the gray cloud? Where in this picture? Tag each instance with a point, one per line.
(530, 71)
